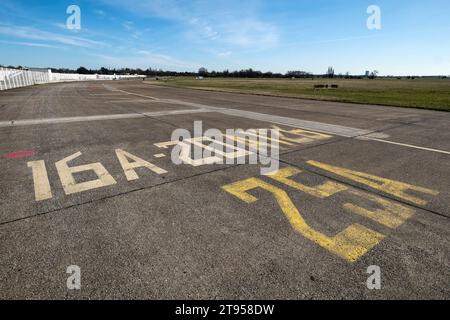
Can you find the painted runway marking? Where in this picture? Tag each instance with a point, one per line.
(42, 189)
(350, 244)
(129, 167)
(105, 94)
(30, 122)
(159, 155)
(137, 94)
(395, 188)
(129, 100)
(67, 174)
(356, 240)
(252, 140)
(410, 146)
(130, 163)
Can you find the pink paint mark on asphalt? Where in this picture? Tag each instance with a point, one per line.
(19, 154)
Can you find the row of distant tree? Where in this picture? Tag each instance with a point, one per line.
(245, 73)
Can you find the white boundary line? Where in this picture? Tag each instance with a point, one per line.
(409, 145)
(30, 122)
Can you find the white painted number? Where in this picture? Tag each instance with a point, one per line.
(42, 189)
(68, 181)
(129, 167)
(66, 173)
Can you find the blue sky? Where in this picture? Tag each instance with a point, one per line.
(275, 35)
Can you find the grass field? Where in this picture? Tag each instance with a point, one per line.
(418, 93)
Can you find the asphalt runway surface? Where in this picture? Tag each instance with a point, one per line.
(87, 180)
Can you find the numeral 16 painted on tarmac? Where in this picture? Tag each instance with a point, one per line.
(42, 188)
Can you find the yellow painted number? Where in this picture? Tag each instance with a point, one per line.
(304, 136)
(395, 188)
(392, 215)
(350, 244)
(323, 191)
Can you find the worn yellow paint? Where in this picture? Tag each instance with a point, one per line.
(185, 153)
(129, 167)
(322, 191)
(211, 154)
(392, 187)
(392, 215)
(257, 141)
(159, 155)
(304, 136)
(235, 152)
(71, 186)
(42, 189)
(350, 244)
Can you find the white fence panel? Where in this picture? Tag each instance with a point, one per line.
(2, 79)
(15, 78)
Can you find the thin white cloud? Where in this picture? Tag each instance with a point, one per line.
(250, 34)
(133, 31)
(128, 25)
(29, 44)
(144, 59)
(225, 54)
(232, 23)
(345, 39)
(60, 25)
(10, 7)
(40, 35)
(325, 41)
(100, 12)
